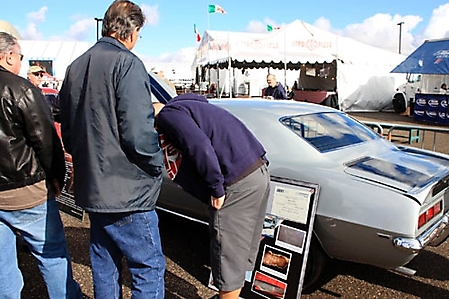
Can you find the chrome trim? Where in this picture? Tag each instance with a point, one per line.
(405, 271)
(432, 236)
(181, 215)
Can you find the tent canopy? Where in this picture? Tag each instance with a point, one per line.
(56, 55)
(432, 57)
(7, 27)
(294, 44)
(361, 72)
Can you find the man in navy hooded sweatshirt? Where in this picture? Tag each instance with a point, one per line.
(223, 165)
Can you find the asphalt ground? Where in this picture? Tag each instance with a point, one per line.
(185, 245)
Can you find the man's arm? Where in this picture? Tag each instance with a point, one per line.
(135, 115)
(41, 134)
(282, 95)
(185, 134)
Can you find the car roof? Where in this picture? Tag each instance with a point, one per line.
(280, 108)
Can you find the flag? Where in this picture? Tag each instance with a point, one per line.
(271, 28)
(198, 35)
(214, 8)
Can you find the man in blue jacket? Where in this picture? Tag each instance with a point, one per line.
(107, 124)
(222, 164)
(275, 90)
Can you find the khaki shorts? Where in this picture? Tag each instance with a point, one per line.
(236, 228)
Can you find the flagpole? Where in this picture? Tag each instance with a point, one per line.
(285, 57)
(208, 48)
(229, 67)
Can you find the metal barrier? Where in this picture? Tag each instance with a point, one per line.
(415, 134)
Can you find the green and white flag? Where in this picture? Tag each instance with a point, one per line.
(271, 28)
(214, 8)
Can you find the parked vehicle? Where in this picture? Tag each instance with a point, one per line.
(379, 204)
(51, 95)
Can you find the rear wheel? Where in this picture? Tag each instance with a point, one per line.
(316, 262)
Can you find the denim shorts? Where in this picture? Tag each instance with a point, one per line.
(235, 229)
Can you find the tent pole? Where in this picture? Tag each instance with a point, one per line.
(285, 57)
(229, 68)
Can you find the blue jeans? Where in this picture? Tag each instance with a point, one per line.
(135, 236)
(42, 230)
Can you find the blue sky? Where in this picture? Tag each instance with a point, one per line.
(169, 37)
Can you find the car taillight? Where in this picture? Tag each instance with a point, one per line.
(429, 214)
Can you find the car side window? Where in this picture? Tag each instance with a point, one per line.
(328, 131)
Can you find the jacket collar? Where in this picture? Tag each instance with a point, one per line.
(112, 41)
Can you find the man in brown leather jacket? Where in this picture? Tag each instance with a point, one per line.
(32, 172)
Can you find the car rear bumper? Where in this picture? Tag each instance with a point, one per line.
(433, 236)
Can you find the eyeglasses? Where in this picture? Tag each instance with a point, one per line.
(20, 54)
(37, 74)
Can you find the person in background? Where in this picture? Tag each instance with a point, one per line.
(295, 85)
(290, 93)
(444, 86)
(35, 74)
(275, 90)
(107, 125)
(224, 165)
(213, 89)
(32, 171)
(158, 71)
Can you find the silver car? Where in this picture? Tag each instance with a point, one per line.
(379, 204)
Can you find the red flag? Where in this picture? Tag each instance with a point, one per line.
(198, 35)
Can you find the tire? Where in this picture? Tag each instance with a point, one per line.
(399, 103)
(316, 262)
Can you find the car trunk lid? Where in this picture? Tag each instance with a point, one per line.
(405, 173)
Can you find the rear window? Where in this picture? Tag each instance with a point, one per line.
(328, 131)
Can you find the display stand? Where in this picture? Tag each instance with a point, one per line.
(281, 262)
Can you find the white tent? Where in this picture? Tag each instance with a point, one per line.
(7, 27)
(56, 54)
(363, 77)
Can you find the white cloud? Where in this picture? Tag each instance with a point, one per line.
(183, 55)
(260, 26)
(438, 26)
(323, 23)
(31, 31)
(82, 29)
(151, 14)
(382, 30)
(37, 16)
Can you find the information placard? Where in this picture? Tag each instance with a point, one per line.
(66, 200)
(286, 236)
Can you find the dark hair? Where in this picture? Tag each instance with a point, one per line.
(122, 17)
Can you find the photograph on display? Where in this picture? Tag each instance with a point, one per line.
(290, 201)
(291, 238)
(268, 287)
(46, 65)
(269, 224)
(275, 261)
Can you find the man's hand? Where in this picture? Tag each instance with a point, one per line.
(217, 202)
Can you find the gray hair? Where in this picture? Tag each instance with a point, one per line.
(122, 17)
(7, 42)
